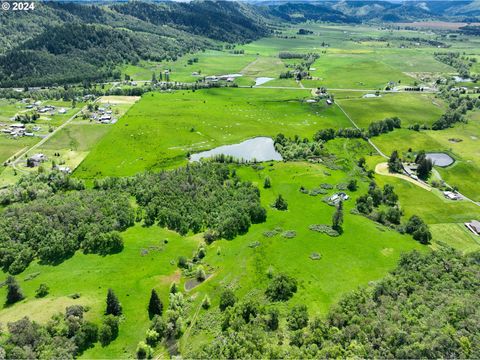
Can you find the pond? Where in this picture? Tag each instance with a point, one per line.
(440, 159)
(259, 149)
(262, 80)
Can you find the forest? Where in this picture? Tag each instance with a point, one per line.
(200, 197)
(425, 308)
(72, 43)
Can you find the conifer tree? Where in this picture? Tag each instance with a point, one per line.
(14, 293)
(155, 306)
(113, 305)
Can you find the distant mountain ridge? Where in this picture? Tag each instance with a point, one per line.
(68, 42)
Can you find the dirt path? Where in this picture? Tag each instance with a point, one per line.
(355, 124)
(382, 169)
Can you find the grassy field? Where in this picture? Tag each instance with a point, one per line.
(410, 108)
(347, 261)
(209, 63)
(202, 120)
(334, 71)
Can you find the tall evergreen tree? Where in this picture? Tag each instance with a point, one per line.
(337, 219)
(14, 293)
(280, 203)
(155, 306)
(267, 184)
(113, 305)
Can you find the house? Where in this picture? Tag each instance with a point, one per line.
(211, 78)
(329, 102)
(62, 111)
(105, 117)
(28, 134)
(473, 226)
(336, 198)
(17, 126)
(36, 160)
(64, 169)
(452, 195)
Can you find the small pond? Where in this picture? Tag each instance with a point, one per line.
(262, 80)
(259, 149)
(440, 159)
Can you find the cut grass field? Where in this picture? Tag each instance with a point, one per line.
(411, 108)
(161, 129)
(335, 71)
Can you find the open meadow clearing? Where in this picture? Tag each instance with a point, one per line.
(200, 120)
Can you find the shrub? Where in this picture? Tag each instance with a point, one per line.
(155, 306)
(42, 291)
(324, 229)
(227, 299)
(108, 330)
(281, 288)
(200, 275)
(298, 317)
(144, 351)
(151, 337)
(206, 302)
(113, 305)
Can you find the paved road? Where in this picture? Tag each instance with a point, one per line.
(337, 89)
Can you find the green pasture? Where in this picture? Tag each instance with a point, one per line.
(347, 261)
(73, 143)
(161, 129)
(456, 236)
(10, 146)
(411, 108)
(147, 262)
(430, 205)
(356, 71)
(209, 63)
